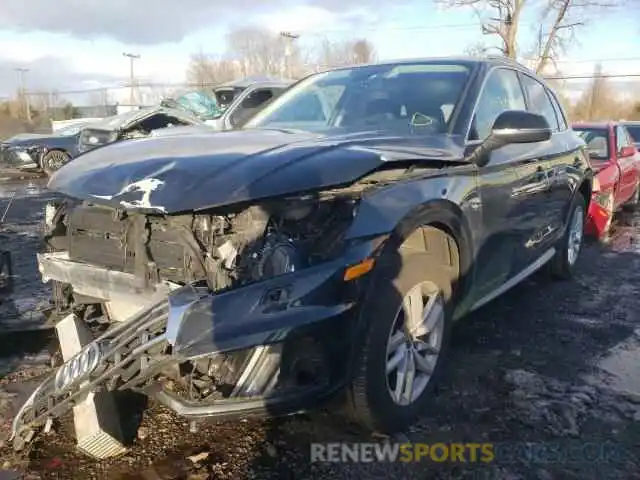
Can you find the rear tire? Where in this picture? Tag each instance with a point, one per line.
(568, 251)
(376, 400)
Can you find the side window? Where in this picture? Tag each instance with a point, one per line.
(501, 92)
(621, 138)
(252, 103)
(539, 101)
(562, 121)
(628, 138)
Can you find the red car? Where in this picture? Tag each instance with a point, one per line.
(616, 161)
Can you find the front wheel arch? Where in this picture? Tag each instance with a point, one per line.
(440, 215)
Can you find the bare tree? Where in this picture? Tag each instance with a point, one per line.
(478, 49)
(349, 52)
(558, 20)
(259, 51)
(600, 102)
(205, 71)
(363, 51)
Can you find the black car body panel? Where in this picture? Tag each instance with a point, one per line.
(260, 229)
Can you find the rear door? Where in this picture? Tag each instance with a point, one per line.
(628, 167)
(554, 159)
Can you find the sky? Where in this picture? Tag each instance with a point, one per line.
(79, 44)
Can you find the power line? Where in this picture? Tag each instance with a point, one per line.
(132, 57)
(595, 60)
(196, 85)
(388, 28)
(592, 77)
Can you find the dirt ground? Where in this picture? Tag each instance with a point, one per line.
(547, 362)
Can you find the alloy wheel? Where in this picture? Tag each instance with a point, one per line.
(575, 235)
(414, 344)
(55, 160)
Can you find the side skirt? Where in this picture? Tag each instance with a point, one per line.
(531, 269)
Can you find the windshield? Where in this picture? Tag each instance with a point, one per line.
(70, 130)
(201, 104)
(377, 97)
(597, 140)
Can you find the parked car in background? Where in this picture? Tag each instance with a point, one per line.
(634, 130)
(201, 104)
(616, 161)
(134, 124)
(46, 152)
(246, 103)
(324, 248)
(226, 93)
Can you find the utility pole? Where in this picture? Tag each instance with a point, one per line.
(132, 58)
(288, 51)
(23, 91)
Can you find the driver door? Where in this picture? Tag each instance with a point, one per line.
(510, 190)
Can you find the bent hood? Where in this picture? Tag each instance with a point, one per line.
(177, 173)
(27, 138)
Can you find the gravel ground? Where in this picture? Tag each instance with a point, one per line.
(547, 362)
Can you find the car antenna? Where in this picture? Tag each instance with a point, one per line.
(6, 210)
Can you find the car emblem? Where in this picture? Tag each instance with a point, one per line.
(80, 366)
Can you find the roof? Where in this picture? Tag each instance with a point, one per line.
(468, 61)
(601, 124)
(249, 81)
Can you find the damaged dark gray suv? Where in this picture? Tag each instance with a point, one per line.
(323, 249)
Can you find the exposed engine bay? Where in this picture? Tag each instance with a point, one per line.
(225, 250)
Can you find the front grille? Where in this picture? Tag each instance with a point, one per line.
(134, 352)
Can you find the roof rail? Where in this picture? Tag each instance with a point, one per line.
(507, 60)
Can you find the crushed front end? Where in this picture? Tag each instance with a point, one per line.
(242, 311)
(21, 157)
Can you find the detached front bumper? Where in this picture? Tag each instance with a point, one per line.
(269, 348)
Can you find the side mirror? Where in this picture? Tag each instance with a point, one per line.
(628, 151)
(511, 127)
(516, 126)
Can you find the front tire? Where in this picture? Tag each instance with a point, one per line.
(563, 262)
(54, 160)
(405, 346)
